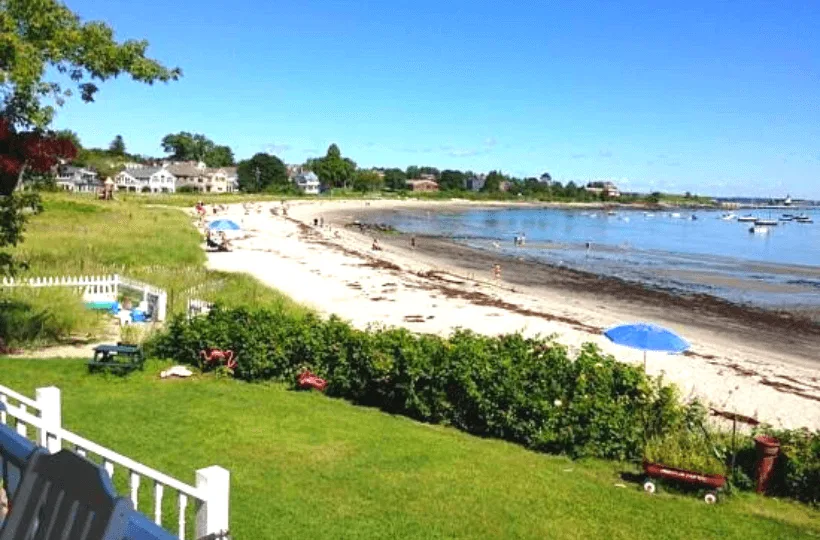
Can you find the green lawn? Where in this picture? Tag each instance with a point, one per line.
(81, 236)
(306, 466)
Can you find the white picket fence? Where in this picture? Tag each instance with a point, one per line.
(43, 415)
(198, 307)
(99, 289)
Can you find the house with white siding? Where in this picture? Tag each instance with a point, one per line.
(145, 180)
(307, 182)
(77, 179)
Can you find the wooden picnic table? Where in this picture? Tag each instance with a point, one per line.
(120, 357)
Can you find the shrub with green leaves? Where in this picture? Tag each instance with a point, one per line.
(35, 316)
(520, 389)
(526, 390)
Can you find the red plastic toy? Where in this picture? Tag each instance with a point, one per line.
(308, 380)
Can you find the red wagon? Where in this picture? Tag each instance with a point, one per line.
(712, 482)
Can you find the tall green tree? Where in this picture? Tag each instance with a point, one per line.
(263, 172)
(493, 182)
(185, 146)
(38, 34)
(333, 170)
(395, 179)
(42, 44)
(220, 156)
(69, 135)
(117, 146)
(413, 172)
(452, 180)
(367, 180)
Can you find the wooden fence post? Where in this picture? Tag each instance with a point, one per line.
(212, 515)
(50, 432)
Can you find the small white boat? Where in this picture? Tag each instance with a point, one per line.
(728, 217)
(612, 213)
(759, 229)
(747, 218)
(675, 215)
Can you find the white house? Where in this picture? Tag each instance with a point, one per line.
(77, 179)
(146, 180)
(202, 178)
(307, 182)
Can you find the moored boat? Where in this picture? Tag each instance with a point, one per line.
(759, 229)
(766, 222)
(747, 218)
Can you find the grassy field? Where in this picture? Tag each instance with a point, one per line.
(307, 466)
(78, 236)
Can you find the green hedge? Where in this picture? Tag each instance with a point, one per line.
(524, 390)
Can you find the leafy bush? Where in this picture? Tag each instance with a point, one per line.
(39, 316)
(688, 446)
(524, 390)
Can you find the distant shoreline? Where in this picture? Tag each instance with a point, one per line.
(757, 324)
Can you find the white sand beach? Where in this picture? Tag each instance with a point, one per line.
(334, 270)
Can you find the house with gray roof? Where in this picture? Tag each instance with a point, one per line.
(196, 175)
(307, 182)
(146, 180)
(77, 179)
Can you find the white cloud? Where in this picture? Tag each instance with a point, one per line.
(277, 148)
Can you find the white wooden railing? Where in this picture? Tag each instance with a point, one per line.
(98, 288)
(210, 496)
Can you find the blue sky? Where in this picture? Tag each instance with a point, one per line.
(710, 97)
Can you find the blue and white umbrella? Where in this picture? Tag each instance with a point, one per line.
(223, 225)
(647, 337)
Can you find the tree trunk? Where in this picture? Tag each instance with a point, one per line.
(19, 186)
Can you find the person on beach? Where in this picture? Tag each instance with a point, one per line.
(497, 272)
(413, 242)
(376, 246)
(523, 239)
(515, 241)
(321, 221)
(315, 222)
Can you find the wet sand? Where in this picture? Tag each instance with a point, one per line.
(758, 363)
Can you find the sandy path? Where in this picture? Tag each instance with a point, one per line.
(335, 271)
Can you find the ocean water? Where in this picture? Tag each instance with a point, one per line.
(686, 251)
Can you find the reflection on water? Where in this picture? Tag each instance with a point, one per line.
(691, 251)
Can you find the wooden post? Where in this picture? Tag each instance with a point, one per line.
(50, 432)
(212, 515)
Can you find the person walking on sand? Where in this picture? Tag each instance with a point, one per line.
(413, 242)
(497, 272)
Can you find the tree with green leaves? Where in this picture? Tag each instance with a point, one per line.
(493, 182)
(395, 179)
(38, 34)
(263, 172)
(367, 180)
(39, 38)
(333, 170)
(117, 146)
(413, 172)
(452, 180)
(185, 146)
(71, 136)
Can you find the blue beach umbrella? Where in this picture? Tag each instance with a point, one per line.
(223, 225)
(647, 337)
